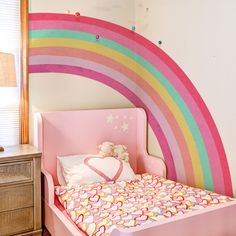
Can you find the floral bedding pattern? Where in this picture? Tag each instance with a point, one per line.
(99, 208)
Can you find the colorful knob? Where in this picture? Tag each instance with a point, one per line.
(77, 14)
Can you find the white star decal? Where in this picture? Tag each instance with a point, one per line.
(124, 127)
(110, 119)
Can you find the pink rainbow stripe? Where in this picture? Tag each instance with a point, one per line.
(75, 70)
(78, 53)
(171, 71)
(117, 76)
(154, 60)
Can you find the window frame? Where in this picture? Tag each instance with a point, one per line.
(24, 80)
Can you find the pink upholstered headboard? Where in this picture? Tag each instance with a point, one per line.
(80, 132)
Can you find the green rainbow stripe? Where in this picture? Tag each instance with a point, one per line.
(192, 141)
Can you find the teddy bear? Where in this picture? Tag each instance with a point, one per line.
(106, 149)
(120, 152)
(109, 149)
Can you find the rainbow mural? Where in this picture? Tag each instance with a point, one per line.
(144, 74)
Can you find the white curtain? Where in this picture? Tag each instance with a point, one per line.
(9, 96)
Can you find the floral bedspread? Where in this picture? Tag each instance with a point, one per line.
(99, 208)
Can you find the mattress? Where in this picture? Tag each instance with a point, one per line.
(100, 207)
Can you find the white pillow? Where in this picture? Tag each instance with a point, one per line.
(64, 164)
(87, 169)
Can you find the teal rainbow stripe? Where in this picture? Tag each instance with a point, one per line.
(139, 70)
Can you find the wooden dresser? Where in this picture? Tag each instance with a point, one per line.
(20, 191)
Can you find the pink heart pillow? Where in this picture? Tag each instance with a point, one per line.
(87, 169)
(106, 167)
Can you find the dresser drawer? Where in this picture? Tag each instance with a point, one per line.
(16, 221)
(20, 191)
(15, 172)
(15, 197)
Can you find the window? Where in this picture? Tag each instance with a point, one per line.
(10, 74)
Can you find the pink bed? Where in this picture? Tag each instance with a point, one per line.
(80, 132)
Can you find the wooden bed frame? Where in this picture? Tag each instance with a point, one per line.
(80, 132)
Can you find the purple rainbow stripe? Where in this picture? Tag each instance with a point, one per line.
(110, 64)
(117, 76)
(75, 70)
(149, 51)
